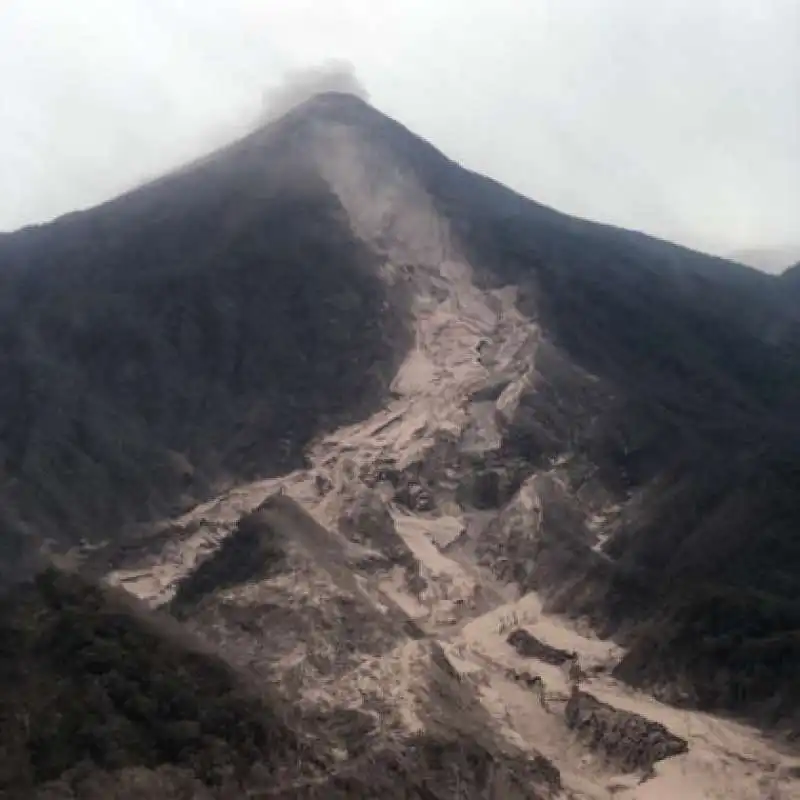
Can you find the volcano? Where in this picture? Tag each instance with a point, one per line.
(327, 351)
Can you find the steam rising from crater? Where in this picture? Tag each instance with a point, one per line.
(300, 85)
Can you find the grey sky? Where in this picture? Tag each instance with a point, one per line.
(678, 117)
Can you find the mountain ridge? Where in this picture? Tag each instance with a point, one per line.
(469, 394)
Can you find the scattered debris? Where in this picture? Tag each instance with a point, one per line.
(533, 682)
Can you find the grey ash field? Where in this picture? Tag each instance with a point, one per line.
(316, 453)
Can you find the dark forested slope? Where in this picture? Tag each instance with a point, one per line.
(199, 329)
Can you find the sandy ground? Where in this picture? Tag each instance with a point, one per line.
(455, 321)
(725, 760)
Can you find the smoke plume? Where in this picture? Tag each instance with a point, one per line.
(300, 85)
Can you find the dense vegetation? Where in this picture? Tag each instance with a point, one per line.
(253, 551)
(198, 330)
(102, 699)
(90, 681)
(722, 649)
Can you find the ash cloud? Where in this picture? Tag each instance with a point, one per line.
(300, 85)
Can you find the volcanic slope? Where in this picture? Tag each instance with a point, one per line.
(102, 698)
(514, 401)
(195, 332)
(634, 388)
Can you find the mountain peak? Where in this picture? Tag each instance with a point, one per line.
(334, 102)
(341, 398)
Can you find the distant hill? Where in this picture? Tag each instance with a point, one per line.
(774, 260)
(792, 274)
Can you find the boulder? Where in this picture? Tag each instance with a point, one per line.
(527, 645)
(629, 741)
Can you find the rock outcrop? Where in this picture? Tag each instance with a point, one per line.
(528, 646)
(628, 741)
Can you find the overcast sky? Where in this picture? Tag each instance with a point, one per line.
(677, 117)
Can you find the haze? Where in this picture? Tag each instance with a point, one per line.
(679, 118)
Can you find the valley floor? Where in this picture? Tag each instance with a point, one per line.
(725, 760)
